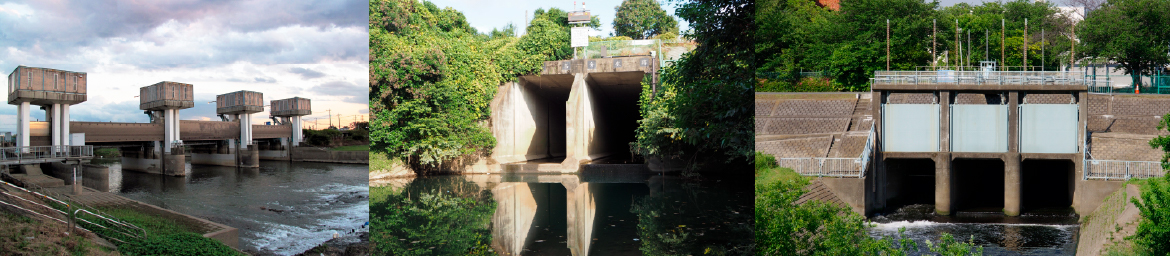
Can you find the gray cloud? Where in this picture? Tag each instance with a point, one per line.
(52, 31)
(306, 73)
(347, 91)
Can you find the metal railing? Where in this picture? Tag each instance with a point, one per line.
(1121, 170)
(33, 154)
(112, 224)
(832, 166)
(984, 77)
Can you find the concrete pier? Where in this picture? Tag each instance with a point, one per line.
(942, 184)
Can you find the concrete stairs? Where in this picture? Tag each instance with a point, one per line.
(33, 175)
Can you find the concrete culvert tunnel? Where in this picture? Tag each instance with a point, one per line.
(909, 181)
(1046, 184)
(566, 119)
(977, 185)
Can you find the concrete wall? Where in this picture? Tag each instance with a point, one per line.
(521, 124)
(278, 155)
(311, 154)
(208, 159)
(96, 177)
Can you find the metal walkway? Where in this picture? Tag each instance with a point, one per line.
(43, 154)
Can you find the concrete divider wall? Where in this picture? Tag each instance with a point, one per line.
(311, 154)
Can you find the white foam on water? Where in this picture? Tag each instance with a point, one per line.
(894, 226)
(288, 240)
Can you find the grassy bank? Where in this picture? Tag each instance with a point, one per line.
(20, 235)
(352, 148)
(166, 236)
(379, 161)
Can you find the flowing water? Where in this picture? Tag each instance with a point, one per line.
(1038, 232)
(617, 213)
(280, 208)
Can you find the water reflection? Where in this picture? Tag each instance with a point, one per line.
(279, 208)
(581, 215)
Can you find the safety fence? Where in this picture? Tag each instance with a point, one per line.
(1121, 170)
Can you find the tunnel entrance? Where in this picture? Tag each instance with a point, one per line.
(908, 182)
(977, 185)
(591, 116)
(1046, 184)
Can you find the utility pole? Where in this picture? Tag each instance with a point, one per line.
(1025, 44)
(330, 117)
(1043, 41)
(933, 44)
(887, 44)
(958, 58)
(1002, 44)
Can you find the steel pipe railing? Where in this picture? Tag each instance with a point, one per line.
(1121, 170)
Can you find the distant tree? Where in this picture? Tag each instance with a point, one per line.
(642, 19)
(1132, 33)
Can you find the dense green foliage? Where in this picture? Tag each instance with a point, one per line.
(1132, 33)
(642, 19)
(432, 77)
(818, 228)
(163, 236)
(1153, 232)
(704, 101)
(849, 45)
(450, 218)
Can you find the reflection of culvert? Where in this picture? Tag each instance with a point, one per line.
(977, 184)
(909, 181)
(1046, 184)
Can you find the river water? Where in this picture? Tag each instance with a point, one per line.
(280, 208)
(588, 214)
(1038, 232)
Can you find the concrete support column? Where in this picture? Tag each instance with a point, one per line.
(65, 136)
(22, 123)
(245, 130)
(942, 184)
(944, 122)
(1011, 161)
(168, 130)
(1011, 185)
(55, 123)
(297, 131)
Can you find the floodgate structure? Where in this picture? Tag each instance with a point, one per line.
(59, 145)
(981, 140)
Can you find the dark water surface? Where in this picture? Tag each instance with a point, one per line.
(280, 208)
(1038, 232)
(598, 214)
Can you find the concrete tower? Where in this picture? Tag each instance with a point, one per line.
(162, 101)
(239, 106)
(289, 111)
(54, 90)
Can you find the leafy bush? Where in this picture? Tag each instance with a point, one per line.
(765, 161)
(818, 228)
(1153, 232)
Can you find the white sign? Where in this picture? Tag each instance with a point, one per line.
(580, 37)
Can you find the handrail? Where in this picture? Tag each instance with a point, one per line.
(984, 77)
(1121, 169)
(854, 167)
(19, 155)
(126, 228)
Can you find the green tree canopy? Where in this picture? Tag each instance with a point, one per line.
(432, 78)
(1132, 33)
(642, 19)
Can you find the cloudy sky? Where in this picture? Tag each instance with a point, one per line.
(315, 49)
(485, 15)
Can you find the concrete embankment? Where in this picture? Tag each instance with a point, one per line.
(311, 154)
(1106, 228)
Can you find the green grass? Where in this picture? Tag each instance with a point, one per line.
(380, 162)
(165, 236)
(352, 148)
(773, 175)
